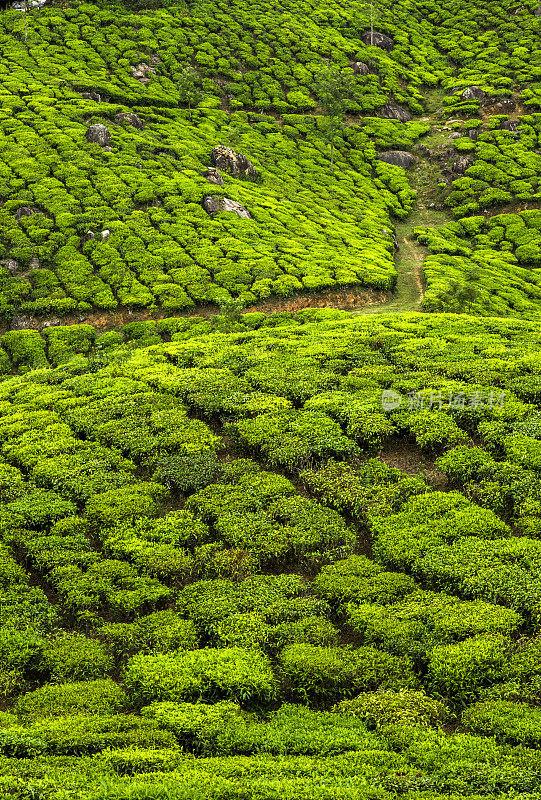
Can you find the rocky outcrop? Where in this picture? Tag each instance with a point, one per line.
(214, 203)
(537, 11)
(130, 119)
(398, 158)
(462, 164)
(510, 125)
(505, 106)
(471, 93)
(90, 236)
(214, 175)
(98, 134)
(25, 211)
(10, 264)
(235, 164)
(360, 68)
(91, 96)
(394, 111)
(378, 39)
(142, 71)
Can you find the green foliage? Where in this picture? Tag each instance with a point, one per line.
(388, 707)
(425, 620)
(72, 657)
(459, 671)
(430, 520)
(515, 723)
(312, 672)
(232, 673)
(81, 697)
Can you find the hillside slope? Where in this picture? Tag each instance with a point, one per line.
(310, 229)
(248, 555)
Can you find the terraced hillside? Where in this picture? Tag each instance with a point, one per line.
(251, 550)
(118, 222)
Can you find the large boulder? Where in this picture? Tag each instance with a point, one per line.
(378, 39)
(214, 203)
(394, 111)
(214, 175)
(236, 164)
(537, 11)
(471, 93)
(130, 119)
(98, 134)
(398, 158)
(510, 125)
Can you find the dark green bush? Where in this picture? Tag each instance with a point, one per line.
(312, 672)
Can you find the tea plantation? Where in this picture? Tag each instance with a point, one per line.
(251, 550)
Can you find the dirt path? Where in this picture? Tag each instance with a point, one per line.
(409, 285)
(428, 212)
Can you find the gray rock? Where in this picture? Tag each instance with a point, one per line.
(537, 12)
(462, 164)
(142, 71)
(378, 39)
(505, 106)
(445, 154)
(236, 164)
(473, 133)
(214, 203)
(214, 175)
(91, 96)
(399, 158)
(360, 68)
(20, 323)
(471, 93)
(394, 111)
(51, 323)
(131, 119)
(98, 134)
(106, 234)
(10, 264)
(89, 235)
(509, 125)
(25, 211)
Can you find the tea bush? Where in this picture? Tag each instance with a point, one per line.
(313, 672)
(82, 697)
(240, 594)
(232, 673)
(516, 723)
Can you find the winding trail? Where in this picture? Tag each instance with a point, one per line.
(409, 289)
(428, 212)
